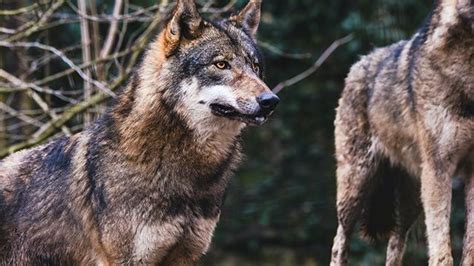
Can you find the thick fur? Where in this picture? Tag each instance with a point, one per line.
(145, 184)
(409, 108)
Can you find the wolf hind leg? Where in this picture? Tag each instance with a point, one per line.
(468, 245)
(396, 247)
(353, 180)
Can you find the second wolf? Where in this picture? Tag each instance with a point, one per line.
(404, 128)
(145, 184)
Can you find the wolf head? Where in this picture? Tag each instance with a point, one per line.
(466, 10)
(458, 13)
(209, 72)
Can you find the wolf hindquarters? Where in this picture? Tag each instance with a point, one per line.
(352, 181)
(355, 164)
(370, 190)
(368, 187)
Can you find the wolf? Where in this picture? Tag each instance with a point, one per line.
(144, 185)
(404, 127)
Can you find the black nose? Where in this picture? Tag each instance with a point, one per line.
(268, 101)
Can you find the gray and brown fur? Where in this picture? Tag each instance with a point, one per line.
(404, 128)
(145, 184)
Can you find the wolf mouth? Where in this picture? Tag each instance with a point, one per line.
(232, 113)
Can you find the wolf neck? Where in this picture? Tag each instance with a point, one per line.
(151, 133)
(448, 40)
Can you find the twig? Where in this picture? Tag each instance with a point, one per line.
(64, 58)
(34, 26)
(279, 52)
(112, 30)
(50, 128)
(135, 16)
(96, 39)
(44, 106)
(22, 86)
(18, 11)
(86, 56)
(7, 30)
(7, 89)
(22, 117)
(92, 63)
(121, 38)
(315, 66)
(35, 96)
(226, 8)
(48, 57)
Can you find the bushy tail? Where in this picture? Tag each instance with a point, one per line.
(378, 217)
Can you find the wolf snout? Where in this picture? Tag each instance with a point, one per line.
(268, 101)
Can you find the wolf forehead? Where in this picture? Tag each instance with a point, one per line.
(220, 40)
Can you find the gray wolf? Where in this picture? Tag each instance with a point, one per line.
(145, 184)
(404, 128)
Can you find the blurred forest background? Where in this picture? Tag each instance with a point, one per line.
(61, 60)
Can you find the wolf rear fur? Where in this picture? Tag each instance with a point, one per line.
(145, 184)
(404, 128)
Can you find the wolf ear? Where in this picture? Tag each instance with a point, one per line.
(186, 22)
(249, 18)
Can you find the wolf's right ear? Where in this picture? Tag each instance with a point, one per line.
(249, 17)
(186, 22)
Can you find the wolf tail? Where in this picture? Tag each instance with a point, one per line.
(379, 217)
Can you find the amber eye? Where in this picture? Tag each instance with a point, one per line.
(222, 65)
(256, 67)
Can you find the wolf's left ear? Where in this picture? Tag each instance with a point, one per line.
(185, 23)
(249, 18)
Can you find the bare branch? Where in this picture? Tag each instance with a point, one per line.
(19, 115)
(18, 11)
(6, 30)
(92, 63)
(64, 58)
(279, 52)
(50, 128)
(216, 11)
(315, 66)
(32, 27)
(112, 30)
(41, 103)
(86, 55)
(135, 16)
(23, 86)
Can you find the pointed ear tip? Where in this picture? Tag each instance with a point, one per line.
(255, 4)
(252, 5)
(185, 2)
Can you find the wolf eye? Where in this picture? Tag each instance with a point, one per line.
(256, 67)
(222, 65)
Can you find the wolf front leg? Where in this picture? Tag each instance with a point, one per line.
(436, 197)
